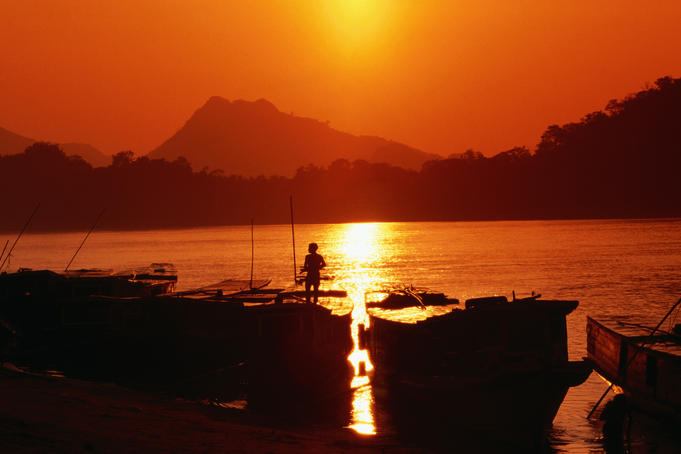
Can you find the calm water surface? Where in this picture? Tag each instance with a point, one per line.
(611, 267)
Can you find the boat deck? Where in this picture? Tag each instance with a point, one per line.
(638, 333)
(646, 366)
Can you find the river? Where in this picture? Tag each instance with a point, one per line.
(610, 266)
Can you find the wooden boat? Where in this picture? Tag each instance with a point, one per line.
(156, 279)
(410, 297)
(646, 366)
(40, 304)
(297, 355)
(498, 369)
(174, 337)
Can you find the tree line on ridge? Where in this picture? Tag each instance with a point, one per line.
(621, 162)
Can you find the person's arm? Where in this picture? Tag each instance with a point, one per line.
(307, 260)
(323, 264)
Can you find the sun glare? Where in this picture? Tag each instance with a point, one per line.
(359, 244)
(358, 26)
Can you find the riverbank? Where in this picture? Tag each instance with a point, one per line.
(52, 414)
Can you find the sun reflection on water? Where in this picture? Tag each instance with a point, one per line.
(359, 254)
(362, 406)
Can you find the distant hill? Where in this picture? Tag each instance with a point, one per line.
(12, 143)
(255, 138)
(622, 162)
(86, 151)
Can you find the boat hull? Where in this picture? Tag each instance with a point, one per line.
(515, 408)
(170, 341)
(646, 368)
(499, 370)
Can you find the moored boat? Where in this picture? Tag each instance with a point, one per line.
(286, 347)
(498, 369)
(644, 363)
(410, 297)
(155, 279)
(297, 355)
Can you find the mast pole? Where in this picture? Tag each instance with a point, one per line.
(293, 237)
(19, 236)
(3, 249)
(84, 239)
(252, 254)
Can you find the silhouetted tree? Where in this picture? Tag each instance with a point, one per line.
(620, 162)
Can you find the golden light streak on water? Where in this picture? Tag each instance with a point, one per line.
(358, 244)
(362, 406)
(356, 357)
(615, 388)
(358, 251)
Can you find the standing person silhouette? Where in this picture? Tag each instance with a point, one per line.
(313, 265)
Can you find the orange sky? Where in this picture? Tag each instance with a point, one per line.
(442, 76)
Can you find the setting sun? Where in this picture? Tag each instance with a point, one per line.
(359, 28)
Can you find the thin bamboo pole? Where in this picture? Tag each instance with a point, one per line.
(3, 249)
(252, 254)
(293, 237)
(19, 236)
(84, 239)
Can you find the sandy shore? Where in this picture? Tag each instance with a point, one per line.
(47, 414)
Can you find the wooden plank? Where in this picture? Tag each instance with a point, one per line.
(321, 293)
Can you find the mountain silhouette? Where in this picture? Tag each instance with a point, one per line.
(86, 151)
(255, 138)
(620, 162)
(13, 143)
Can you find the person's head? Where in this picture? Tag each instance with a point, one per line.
(312, 248)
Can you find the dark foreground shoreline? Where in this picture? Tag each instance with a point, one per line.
(50, 414)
